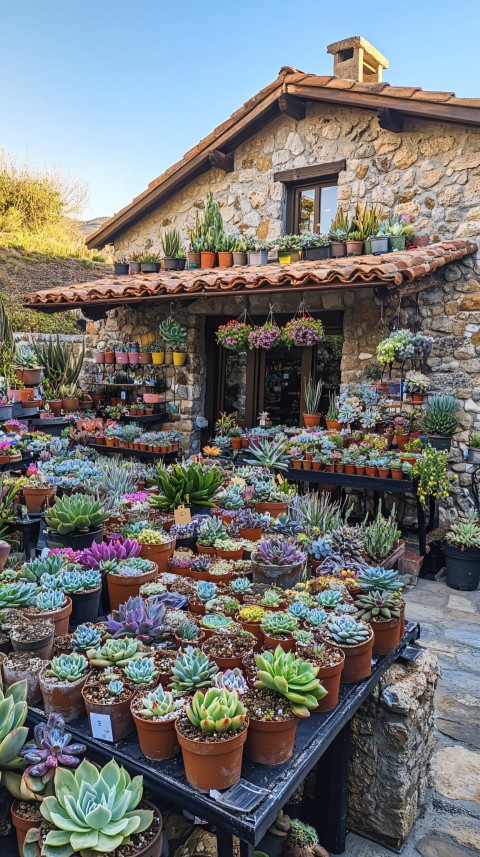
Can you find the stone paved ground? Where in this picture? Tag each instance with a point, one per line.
(450, 824)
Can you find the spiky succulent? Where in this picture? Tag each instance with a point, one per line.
(93, 811)
(50, 749)
(159, 704)
(143, 619)
(190, 483)
(17, 594)
(232, 680)
(77, 513)
(192, 669)
(347, 550)
(268, 453)
(241, 585)
(212, 531)
(346, 631)
(441, 416)
(278, 552)
(216, 710)
(107, 551)
(141, 671)
(298, 610)
(69, 667)
(291, 677)
(188, 631)
(302, 835)
(77, 581)
(278, 623)
(379, 578)
(50, 599)
(328, 598)
(315, 617)
(35, 569)
(378, 605)
(304, 637)
(85, 638)
(115, 653)
(205, 590)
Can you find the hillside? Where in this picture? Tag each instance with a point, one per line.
(22, 272)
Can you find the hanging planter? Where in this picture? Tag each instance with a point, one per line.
(234, 334)
(267, 335)
(303, 329)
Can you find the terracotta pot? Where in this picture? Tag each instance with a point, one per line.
(316, 465)
(225, 259)
(387, 636)
(329, 468)
(70, 405)
(333, 425)
(65, 699)
(275, 509)
(330, 678)
(254, 628)
(350, 468)
(119, 712)
(370, 471)
(196, 607)
(307, 465)
(297, 463)
(358, 661)
(109, 356)
(4, 554)
(270, 743)
(417, 398)
(159, 554)
(253, 534)
(121, 357)
(337, 249)
(245, 443)
(110, 441)
(236, 442)
(236, 554)
(157, 738)
(23, 825)
(396, 474)
(29, 376)
(384, 472)
(206, 549)
(60, 617)
(228, 663)
(359, 470)
(212, 765)
(36, 497)
(182, 644)
(272, 642)
(311, 420)
(121, 588)
(421, 240)
(26, 396)
(402, 439)
(207, 259)
(354, 248)
(99, 356)
(133, 358)
(144, 358)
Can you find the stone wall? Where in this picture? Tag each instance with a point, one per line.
(392, 744)
(429, 171)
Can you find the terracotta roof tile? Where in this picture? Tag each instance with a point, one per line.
(393, 269)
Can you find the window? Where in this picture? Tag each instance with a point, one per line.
(311, 208)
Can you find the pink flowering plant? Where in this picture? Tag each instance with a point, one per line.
(234, 335)
(303, 331)
(266, 336)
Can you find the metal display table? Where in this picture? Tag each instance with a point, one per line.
(322, 738)
(131, 453)
(378, 486)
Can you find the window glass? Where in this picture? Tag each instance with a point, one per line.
(328, 207)
(236, 384)
(307, 210)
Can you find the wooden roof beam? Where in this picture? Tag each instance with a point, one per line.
(390, 120)
(221, 161)
(291, 106)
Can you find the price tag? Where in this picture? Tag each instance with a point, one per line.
(182, 515)
(237, 480)
(123, 396)
(101, 726)
(280, 479)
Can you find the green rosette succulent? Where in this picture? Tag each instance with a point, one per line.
(13, 734)
(216, 710)
(78, 513)
(93, 812)
(115, 653)
(69, 667)
(292, 678)
(278, 623)
(141, 671)
(192, 670)
(378, 605)
(346, 631)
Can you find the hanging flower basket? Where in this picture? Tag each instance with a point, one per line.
(266, 336)
(234, 335)
(303, 330)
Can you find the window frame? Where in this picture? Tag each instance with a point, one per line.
(293, 201)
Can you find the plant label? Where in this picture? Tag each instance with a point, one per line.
(182, 515)
(101, 726)
(280, 479)
(123, 395)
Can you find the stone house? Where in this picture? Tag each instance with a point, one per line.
(281, 163)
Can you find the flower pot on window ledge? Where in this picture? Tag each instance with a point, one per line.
(290, 258)
(225, 259)
(379, 244)
(337, 249)
(397, 242)
(193, 259)
(258, 257)
(207, 259)
(313, 254)
(239, 259)
(120, 269)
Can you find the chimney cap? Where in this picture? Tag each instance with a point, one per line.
(370, 51)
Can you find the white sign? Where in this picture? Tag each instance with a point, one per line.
(101, 726)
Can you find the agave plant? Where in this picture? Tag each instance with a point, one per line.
(92, 811)
(61, 361)
(291, 677)
(270, 454)
(441, 416)
(143, 619)
(192, 669)
(346, 631)
(118, 477)
(378, 605)
(115, 653)
(185, 484)
(216, 710)
(77, 513)
(51, 748)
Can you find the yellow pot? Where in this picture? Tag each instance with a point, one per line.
(179, 358)
(158, 357)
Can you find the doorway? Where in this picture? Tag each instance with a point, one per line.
(250, 382)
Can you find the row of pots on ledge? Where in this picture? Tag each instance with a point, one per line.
(156, 355)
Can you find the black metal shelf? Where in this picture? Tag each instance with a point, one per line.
(129, 453)
(315, 735)
(347, 480)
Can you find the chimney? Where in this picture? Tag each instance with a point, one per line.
(357, 59)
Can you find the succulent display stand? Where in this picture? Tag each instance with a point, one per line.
(379, 487)
(134, 453)
(322, 738)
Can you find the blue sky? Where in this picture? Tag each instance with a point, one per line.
(115, 91)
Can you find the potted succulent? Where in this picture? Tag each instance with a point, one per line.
(79, 817)
(473, 452)
(440, 421)
(85, 589)
(211, 734)
(171, 249)
(382, 610)
(125, 577)
(26, 365)
(157, 349)
(354, 243)
(315, 246)
(289, 249)
(397, 227)
(188, 633)
(356, 640)
(339, 229)
(312, 393)
(61, 683)
(149, 263)
(174, 335)
(277, 561)
(154, 715)
(70, 397)
(6, 408)
(330, 662)
(278, 628)
(240, 248)
(227, 648)
(380, 242)
(110, 697)
(225, 251)
(416, 383)
(462, 553)
(191, 485)
(258, 252)
(121, 267)
(249, 524)
(36, 489)
(76, 521)
(331, 417)
(52, 604)
(228, 548)
(134, 266)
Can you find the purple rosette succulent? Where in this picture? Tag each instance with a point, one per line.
(278, 552)
(106, 551)
(51, 749)
(145, 619)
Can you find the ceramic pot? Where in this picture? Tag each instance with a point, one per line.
(333, 425)
(338, 249)
(39, 648)
(354, 248)
(270, 742)
(35, 498)
(30, 377)
(179, 358)
(463, 568)
(285, 576)
(212, 765)
(252, 535)
(287, 644)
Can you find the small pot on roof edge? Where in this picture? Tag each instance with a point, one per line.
(120, 269)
